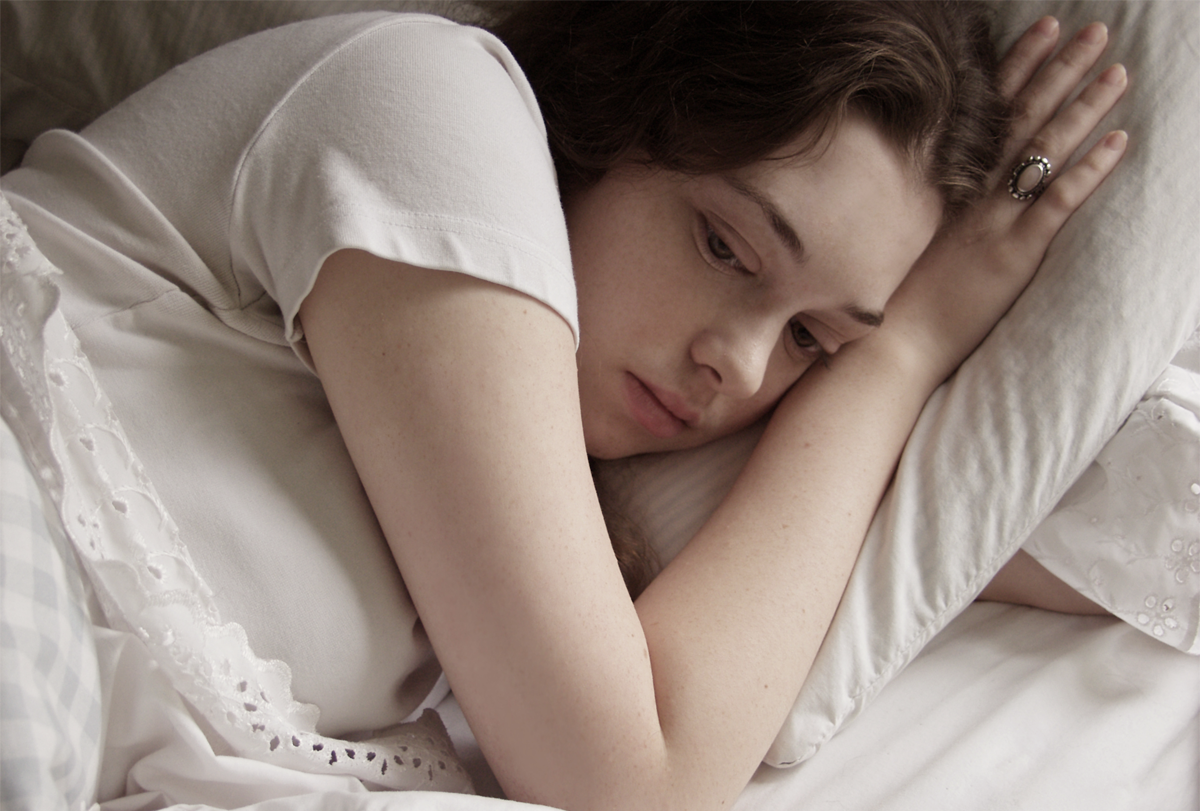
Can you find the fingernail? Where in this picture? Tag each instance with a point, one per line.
(1094, 34)
(1116, 141)
(1046, 27)
(1114, 75)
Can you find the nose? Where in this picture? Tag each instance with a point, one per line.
(735, 358)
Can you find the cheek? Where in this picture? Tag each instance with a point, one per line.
(645, 307)
(618, 291)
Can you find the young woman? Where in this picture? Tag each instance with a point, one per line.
(765, 211)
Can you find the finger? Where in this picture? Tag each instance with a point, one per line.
(1059, 139)
(1046, 92)
(1027, 55)
(1038, 224)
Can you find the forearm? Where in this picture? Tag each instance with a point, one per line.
(1024, 581)
(476, 468)
(734, 623)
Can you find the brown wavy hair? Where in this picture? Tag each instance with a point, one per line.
(702, 87)
(705, 87)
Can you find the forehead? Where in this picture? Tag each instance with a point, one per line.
(856, 200)
(850, 134)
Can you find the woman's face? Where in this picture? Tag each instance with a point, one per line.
(703, 299)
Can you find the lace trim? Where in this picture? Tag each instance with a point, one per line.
(140, 567)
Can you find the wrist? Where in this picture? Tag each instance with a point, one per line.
(912, 356)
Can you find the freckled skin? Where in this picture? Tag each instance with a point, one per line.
(687, 284)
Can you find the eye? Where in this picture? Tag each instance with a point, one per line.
(803, 339)
(719, 250)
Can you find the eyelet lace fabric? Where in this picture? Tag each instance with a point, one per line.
(1127, 533)
(139, 566)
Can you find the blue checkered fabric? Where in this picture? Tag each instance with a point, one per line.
(50, 715)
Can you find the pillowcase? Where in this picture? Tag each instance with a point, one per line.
(998, 445)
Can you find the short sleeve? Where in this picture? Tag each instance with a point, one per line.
(416, 140)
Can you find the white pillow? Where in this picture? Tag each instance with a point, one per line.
(999, 444)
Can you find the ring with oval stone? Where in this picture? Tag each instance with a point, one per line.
(1029, 178)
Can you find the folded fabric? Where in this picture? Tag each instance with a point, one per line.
(1000, 445)
(142, 575)
(1127, 533)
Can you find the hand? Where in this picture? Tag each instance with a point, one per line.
(973, 271)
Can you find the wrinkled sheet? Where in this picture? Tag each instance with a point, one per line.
(1014, 708)
(1008, 708)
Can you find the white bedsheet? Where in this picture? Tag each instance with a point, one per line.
(1008, 708)
(1015, 708)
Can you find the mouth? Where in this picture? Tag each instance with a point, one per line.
(659, 412)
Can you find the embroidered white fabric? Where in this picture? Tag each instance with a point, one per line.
(1127, 533)
(140, 568)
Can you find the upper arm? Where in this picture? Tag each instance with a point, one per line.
(420, 142)
(458, 402)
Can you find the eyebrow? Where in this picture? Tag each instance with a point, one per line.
(871, 318)
(779, 224)
(784, 230)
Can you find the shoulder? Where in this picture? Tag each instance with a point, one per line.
(403, 82)
(422, 144)
(437, 51)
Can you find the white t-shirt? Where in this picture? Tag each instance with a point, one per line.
(191, 222)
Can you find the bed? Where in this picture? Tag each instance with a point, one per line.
(1073, 433)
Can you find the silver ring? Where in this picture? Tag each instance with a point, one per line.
(1029, 178)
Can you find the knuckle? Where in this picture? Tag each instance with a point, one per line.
(1073, 60)
(1090, 107)
(1028, 118)
(1077, 55)
(1094, 95)
(1043, 144)
(1059, 197)
(1096, 166)
(1022, 111)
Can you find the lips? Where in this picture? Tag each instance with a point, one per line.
(658, 411)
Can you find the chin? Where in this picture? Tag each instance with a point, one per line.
(610, 448)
